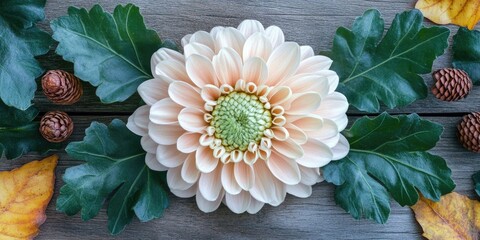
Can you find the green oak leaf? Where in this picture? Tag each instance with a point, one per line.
(114, 172)
(20, 42)
(111, 52)
(388, 156)
(19, 134)
(476, 180)
(373, 69)
(466, 53)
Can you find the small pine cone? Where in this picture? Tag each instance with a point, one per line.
(56, 126)
(61, 87)
(451, 84)
(469, 131)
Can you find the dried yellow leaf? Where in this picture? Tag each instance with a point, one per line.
(24, 196)
(454, 217)
(464, 13)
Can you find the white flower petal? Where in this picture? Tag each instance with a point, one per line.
(203, 38)
(210, 94)
(254, 206)
(284, 169)
(310, 176)
(189, 172)
(185, 95)
(188, 193)
(303, 103)
(328, 134)
(279, 95)
(207, 206)
(306, 52)
(249, 27)
(154, 90)
(245, 175)
(138, 121)
(198, 49)
(205, 161)
(228, 179)
(257, 45)
(191, 119)
(332, 77)
(152, 163)
(188, 142)
(341, 149)
(215, 31)
(275, 35)
(255, 70)
(175, 181)
(228, 66)
(200, 70)
(164, 54)
(267, 188)
(238, 203)
(186, 40)
(148, 144)
(169, 156)
(210, 184)
(230, 38)
(132, 126)
(283, 62)
(165, 134)
(288, 148)
(309, 123)
(280, 133)
(302, 83)
(333, 106)
(299, 190)
(165, 111)
(317, 154)
(314, 64)
(172, 69)
(296, 133)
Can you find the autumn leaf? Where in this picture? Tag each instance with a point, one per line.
(465, 13)
(24, 196)
(454, 217)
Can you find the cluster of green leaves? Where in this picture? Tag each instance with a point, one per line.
(466, 53)
(388, 157)
(373, 69)
(19, 133)
(114, 171)
(112, 52)
(20, 42)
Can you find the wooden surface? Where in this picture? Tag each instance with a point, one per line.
(307, 22)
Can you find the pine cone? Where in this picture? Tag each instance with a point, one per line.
(469, 131)
(451, 84)
(56, 126)
(61, 87)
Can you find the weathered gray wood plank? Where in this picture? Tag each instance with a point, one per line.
(314, 217)
(306, 22)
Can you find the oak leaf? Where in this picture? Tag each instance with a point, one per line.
(465, 13)
(454, 217)
(24, 196)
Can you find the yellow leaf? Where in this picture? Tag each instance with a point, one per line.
(24, 196)
(464, 13)
(454, 217)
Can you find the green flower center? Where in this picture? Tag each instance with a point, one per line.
(239, 119)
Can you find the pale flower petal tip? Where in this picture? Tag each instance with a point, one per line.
(242, 117)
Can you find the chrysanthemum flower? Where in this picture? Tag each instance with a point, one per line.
(241, 117)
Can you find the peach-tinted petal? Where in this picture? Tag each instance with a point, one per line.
(279, 95)
(245, 175)
(303, 103)
(288, 148)
(175, 180)
(190, 192)
(257, 45)
(308, 83)
(198, 49)
(228, 66)
(148, 144)
(207, 206)
(299, 190)
(284, 169)
(210, 184)
(210, 94)
(275, 35)
(228, 179)
(230, 38)
(254, 206)
(169, 156)
(164, 54)
(296, 133)
(328, 134)
(205, 161)
(341, 149)
(306, 52)
(255, 70)
(332, 77)
(165, 134)
(140, 130)
(203, 38)
(172, 69)
(165, 111)
(238, 203)
(190, 173)
(310, 176)
(267, 188)
(309, 123)
(152, 163)
(185, 95)
(280, 133)
(283, 62)
(200, 70)
(188, 142)
(191, 119)
(317, 154)
(333, 106)
(314, 64)
(249, 27)
(153, 90)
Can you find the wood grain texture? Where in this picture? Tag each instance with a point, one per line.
(310, 22)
